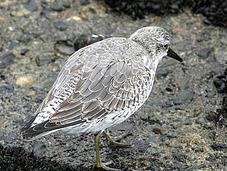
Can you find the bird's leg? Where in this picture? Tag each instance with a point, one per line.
(99, 164)
(114, 140)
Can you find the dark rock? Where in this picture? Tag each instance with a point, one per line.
(12, 44)
(1, 47)
(6, 59)
(220, 82)
(31, 5)
(84, 2)
(84, 40)
(198, 149)
(6, 88)
(60, 25)
(179, 156)
(204, 52)
(2, 76)
(44, 59)
(151, 120)
(219, 147)
(24, 51)
(157, 130)
(59, 5)
(214, 11)
(64, 47)
(183, 97)
(220, 85)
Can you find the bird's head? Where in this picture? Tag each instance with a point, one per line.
(156, 41)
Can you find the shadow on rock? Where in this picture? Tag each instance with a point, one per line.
(16, 158)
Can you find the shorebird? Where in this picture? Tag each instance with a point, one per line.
(101, 85)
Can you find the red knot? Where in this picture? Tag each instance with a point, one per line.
(101, 85)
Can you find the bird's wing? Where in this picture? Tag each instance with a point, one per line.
(113, 86)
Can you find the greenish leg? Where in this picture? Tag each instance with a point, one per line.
(114, 142)
(99, 164)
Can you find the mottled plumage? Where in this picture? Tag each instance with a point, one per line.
(102, 84)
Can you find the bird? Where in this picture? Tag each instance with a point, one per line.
(101, 85)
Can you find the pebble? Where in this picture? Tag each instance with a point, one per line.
(24, 81)
(84, 2)
(75, 18)
(59, 5)
(44, 59)
(20, 11)
(24, 51)
(64, 47)
(157, 130)
(6, 88)
(31, 5)
(2, 76)
(6, 59)
(204, 52)
(31, 93)
(12, 45)
(85, 40)
(60, 25)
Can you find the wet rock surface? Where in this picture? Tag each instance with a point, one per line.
(182, 126)
(214, 11)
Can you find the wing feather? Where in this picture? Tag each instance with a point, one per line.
(96, 93)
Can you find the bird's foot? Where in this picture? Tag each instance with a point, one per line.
(114, 141)
(100, 166)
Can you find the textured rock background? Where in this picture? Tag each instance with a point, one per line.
(179, 128)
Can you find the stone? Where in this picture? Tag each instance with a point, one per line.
(64, 47)
(6, 88)
(31, 5)
(23, 81)
(84, 2)
(6, 59)
(60, 25)
(12, 45)
(84, 40)
(24, 51)
(204, 52)
(157, 130)
(59, 5)
(44, 59)
(19, 11)
(75, 18)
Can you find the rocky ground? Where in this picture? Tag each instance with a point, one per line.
(179, 128)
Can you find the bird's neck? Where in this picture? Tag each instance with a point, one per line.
(152, 62)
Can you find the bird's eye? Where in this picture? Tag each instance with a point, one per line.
(165, 46)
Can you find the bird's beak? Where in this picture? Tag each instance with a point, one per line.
(172, 54)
